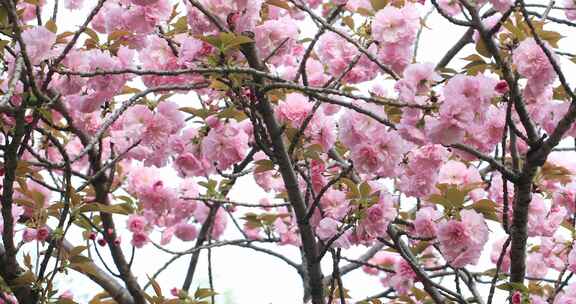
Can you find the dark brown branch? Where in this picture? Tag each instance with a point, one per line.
(509, 175)
(202, 237)
(71, 43)
(9, 268)
(406, 254)
(347, 38)
(309, 245)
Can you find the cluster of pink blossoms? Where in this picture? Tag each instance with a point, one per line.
(531, 62)
(466, 114)
(154, 134)
(571, 9)
(321, 128)
(172, 210)
(453, 8)
(374, 224)
(374, 149)
(567, 296)
(241, 15)
(337, 54)
(86, 95)
(462, 241)
(420, 174)
(401, 276)
(154, 130)
(395, 29)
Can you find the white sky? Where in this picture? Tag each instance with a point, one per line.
(245, 276)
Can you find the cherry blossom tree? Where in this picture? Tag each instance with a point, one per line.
(131, 130)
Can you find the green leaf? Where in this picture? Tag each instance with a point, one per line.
(352, 188)
(156, 287)
(80, 259)
(115, 35)
(225, 41)
(551, 37)
(202, 113)
(263, 165)
(51, 26)
(230, 40)
(513, 286)
(455, 196)
(440, 200)
(482, 49)
(487, 208)
(473, 57)
(24, 279)
(3, 44)
(348, 21)
(181, 25)
(90, 32)
(77, 250)
(378, 4)
(475, 67)
(420, 247)
(232, 112)
(123, 208)
(278, 3)
(202, 293)
(3, 16)
(365, 189)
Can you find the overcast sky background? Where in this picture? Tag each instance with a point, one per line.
(245, 276)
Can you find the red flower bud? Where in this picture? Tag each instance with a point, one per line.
(502, 87)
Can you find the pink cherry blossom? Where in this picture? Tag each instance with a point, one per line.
(416, 81)
(572, 259)
(425, 222)
(382, 259)
(404, 277)
(42, 234)
(139, 239)
(571, 9)
(532, 63)
(377, 218)
(497, 248)
(394, 25)
(29, 235)
(382, 156)
(329, 228)
(73, 4)
(225, 145)
(470, 91)
(144, 2)
(536, 265)
(294, 110)
(314, 72)
(542, 219)
(334, 204)
(185, 232)
(337, 54)
(461, 242)
(421, 172)
(567, 296)
(67, 295)
(39, 42)
(272, 34)
(136, 223)
(456, 173)
(450, 7)
(502, 5)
